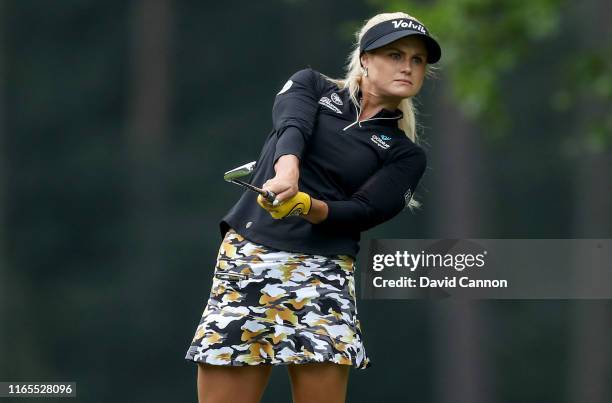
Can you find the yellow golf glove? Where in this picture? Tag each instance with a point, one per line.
(297, 205)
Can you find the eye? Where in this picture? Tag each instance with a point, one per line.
(418, 59)
(395, 56)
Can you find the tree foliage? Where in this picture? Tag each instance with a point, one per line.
(485, 40)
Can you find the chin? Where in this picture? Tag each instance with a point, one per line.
(402, 94)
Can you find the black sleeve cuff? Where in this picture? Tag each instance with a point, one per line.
(342, 211)
(291, 141)
(350, 215)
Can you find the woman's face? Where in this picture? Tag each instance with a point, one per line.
(396, 70)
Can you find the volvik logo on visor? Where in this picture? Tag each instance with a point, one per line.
(409, 24)
(388, 31)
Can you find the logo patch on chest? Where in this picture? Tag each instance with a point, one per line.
(328, 103)
(380, 142)
(336, 99)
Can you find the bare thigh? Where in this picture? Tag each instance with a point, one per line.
(318, 382)
(226, 384)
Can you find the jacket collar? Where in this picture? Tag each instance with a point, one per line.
(384, 117)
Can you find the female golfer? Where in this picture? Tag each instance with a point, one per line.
(341, 158)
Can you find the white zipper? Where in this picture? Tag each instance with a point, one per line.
(357, 120)
(349, 125)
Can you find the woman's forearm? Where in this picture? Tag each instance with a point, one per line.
(288, 166)
(318, 211)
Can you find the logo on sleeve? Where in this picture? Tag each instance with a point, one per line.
(380, 141)
(407, 197)
(336, 99)
(287, 85)
(327, 102)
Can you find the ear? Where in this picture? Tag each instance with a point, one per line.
(363, 59)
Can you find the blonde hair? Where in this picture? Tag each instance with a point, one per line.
(354, 73)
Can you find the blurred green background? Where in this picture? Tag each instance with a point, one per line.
(118, 119)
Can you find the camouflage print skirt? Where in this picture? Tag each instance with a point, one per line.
(268, 306)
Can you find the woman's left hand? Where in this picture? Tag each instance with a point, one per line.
(299, 204)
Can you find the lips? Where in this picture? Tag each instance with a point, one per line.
(404, 81)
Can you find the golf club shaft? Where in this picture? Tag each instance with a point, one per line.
(270, 196)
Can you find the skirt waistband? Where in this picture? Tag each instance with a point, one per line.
(237, 248)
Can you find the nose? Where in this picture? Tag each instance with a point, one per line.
(406, 67)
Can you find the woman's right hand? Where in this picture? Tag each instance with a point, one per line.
(285, 182)
(284, 188)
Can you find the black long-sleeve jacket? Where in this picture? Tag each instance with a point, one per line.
(365, 171)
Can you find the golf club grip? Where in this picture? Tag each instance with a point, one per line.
(269, 196)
